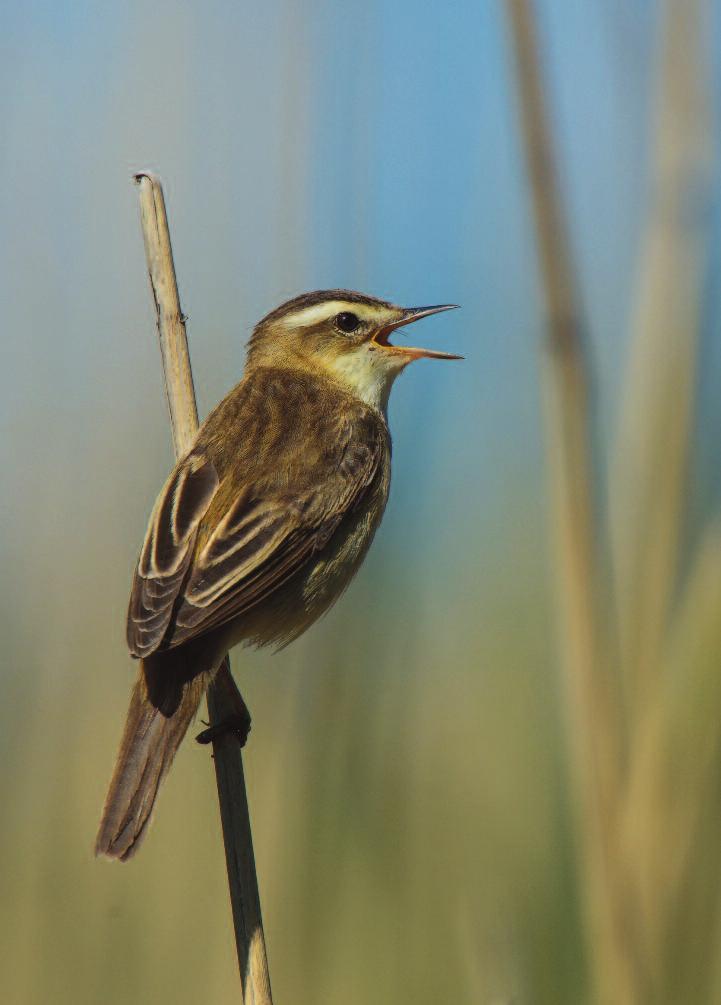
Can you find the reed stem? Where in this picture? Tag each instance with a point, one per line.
(223, 695)
(593, 709)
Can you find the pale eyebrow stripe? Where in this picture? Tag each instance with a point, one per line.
(321, 312)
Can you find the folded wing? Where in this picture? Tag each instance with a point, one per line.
(210, 555)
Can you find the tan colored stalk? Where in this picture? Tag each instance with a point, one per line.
(223, 696)
(649, 485)
(676, 756)
(668, 639)
(592, 703)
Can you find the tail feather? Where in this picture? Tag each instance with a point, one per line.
(150, 739)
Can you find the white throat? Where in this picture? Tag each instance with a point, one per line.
(369, 372)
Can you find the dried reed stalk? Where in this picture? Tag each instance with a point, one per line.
(224, 700)
(651, 459)
(644, 770)
(670, 629)
(676, 752)
(593, 709)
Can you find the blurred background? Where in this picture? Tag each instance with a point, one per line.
(418, 773)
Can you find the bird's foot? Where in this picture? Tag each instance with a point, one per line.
(238, 724)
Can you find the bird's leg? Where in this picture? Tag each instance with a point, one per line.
(237, 722)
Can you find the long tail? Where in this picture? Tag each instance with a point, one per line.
(153, 732)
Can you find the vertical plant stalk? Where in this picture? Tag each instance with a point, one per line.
(224, 699)
(593, 711)
(648, 498)
(668, 616)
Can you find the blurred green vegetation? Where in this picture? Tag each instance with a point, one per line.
(392, 781)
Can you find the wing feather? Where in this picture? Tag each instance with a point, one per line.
(167, 551)
(261, 543)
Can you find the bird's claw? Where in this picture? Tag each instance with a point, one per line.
(238, 725)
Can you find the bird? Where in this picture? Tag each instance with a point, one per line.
(262, 524)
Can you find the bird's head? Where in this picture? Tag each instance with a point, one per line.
(345, 335)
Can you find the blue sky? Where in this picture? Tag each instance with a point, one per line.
(369, 145)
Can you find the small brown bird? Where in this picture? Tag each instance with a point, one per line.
(261, 526)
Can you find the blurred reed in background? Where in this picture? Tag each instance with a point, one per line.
(641, 780)
(424, 831)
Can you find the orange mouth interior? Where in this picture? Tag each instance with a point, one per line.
(382, 339)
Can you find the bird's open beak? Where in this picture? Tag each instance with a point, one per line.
(408, 316)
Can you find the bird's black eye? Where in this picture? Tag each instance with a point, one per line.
(347, 322)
